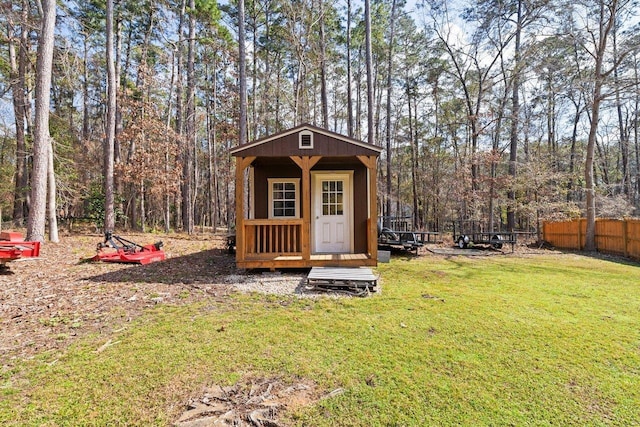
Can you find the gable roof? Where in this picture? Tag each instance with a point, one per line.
(242, 149)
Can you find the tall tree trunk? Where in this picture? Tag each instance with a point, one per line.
(18, 61)
(606, 21)
(242, 65)
(180, 106)
(254, 71)
(324, 100)
(143, 207)
(551, 121)
(117, 152)
(369, 60)
(267, 72)
(212, 150)
(279, 79)
(110, 127)
(358, 110)
(51, 196)
(590, 236)
(573, 154)
(85, 83)
(636, 131)
(210, 206)
(624, 137)
(515, 115)
(41, 141)
(414, 156)
(387, 214)
(167, 167)
(242, 86)
(349, 98)
(495, 157)
(143, 86)
(188, 171)
(19, 205)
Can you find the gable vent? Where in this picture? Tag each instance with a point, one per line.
(305, 140)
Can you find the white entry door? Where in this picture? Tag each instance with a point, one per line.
(332, 212)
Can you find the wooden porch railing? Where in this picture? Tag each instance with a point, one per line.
(271, 237)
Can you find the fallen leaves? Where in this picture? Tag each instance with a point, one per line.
(46, 304)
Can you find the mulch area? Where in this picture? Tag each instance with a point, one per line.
(49, 302)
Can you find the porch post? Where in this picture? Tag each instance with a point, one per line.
(305, 163)
(372, 242)
(241, 164)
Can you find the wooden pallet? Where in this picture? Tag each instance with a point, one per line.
(342, 278)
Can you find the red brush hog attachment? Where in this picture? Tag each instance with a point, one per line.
(13, 247)
(117, 249)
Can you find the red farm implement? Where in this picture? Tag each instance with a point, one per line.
(117, 249)
(13, 247)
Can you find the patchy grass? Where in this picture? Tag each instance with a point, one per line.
(457, 341)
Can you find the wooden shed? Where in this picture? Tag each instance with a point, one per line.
(308, 199)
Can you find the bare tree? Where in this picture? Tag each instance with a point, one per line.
(596, 45)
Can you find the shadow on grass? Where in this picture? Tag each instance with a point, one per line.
(398, 253)
(603, 256)
(619, 259)
(200, 267)
(476, 250)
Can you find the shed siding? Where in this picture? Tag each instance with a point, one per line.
(262, 172)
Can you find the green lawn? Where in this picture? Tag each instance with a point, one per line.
(460, 341)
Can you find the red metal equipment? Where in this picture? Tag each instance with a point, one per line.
(117, 249)
(13, 247)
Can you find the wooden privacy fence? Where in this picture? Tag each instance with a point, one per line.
(616, 236)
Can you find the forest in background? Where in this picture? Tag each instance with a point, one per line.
(504, 112)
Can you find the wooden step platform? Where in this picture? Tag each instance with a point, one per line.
(343, 278)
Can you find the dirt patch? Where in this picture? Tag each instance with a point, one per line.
(519, 249)
(251, 402)
(438, 250)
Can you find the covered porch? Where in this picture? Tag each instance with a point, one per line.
(288, 242)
